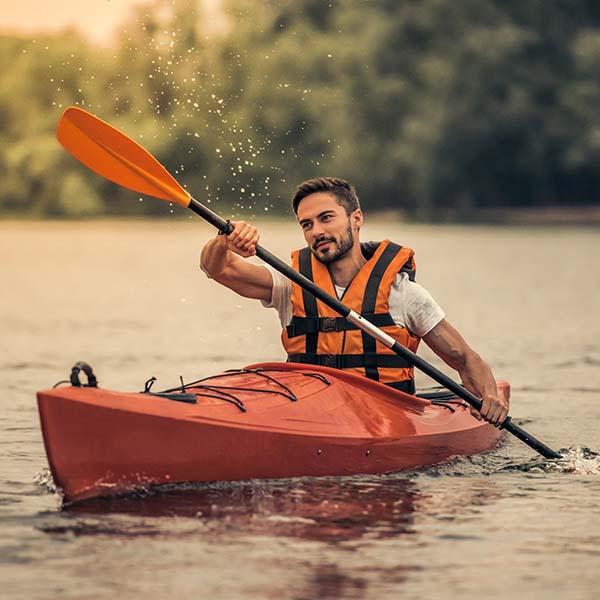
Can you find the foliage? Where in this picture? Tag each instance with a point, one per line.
(432, 107)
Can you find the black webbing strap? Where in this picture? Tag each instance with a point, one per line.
(368, 306)
(302, 325)
(310, 302)
(408, 386)
(351, 361)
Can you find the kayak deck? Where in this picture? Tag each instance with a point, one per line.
(270, 420)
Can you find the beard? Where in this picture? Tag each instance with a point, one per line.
(339, 247)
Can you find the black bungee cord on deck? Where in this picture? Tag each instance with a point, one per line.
(436, 396)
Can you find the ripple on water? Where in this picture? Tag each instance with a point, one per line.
(315, 509)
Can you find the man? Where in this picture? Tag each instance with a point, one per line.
(376, 280)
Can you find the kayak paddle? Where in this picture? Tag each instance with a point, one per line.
(116, 157)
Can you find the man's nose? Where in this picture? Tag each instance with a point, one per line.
(317, 230)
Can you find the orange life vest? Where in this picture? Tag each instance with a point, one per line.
(318, 335)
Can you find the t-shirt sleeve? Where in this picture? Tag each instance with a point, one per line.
(280, 296)
(413, 307)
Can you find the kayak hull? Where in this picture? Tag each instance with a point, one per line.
(100, 442)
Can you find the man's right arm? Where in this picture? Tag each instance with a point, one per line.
(221, 260)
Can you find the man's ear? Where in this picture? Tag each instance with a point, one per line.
(357, 218)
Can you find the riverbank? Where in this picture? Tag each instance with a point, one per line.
(587, 216)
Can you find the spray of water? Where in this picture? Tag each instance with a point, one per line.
(578, 460)
(194, 102)
(44, 480)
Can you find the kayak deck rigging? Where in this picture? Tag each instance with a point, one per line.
(436, 395)
(224, 392)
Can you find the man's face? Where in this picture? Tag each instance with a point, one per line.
(329, 232)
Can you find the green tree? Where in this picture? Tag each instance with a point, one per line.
(438, 108)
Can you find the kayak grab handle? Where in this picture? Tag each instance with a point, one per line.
(83, 366)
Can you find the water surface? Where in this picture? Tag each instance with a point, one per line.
(128, 298)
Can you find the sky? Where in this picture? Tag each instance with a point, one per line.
(95, 19)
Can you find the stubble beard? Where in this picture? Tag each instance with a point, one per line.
(343, 246)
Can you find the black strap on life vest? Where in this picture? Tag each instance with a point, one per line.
(350, 361)
(368, 249)
(302, 325)
(310, 302)
(368, 306)
(407, 386)
(312, 324)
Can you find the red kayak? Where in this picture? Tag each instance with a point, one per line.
(266, 421)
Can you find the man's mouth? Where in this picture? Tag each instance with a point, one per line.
(322, 244)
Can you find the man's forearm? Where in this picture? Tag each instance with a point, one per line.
(474, 372)
(215, 257)
(221, 263)
(476, 375)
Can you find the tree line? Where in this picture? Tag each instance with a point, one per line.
(436, 108)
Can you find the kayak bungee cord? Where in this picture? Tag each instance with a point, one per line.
(218, 392)
(445, 403)
(186, 392)
(116, 157)
(287, 393)
(260, 373)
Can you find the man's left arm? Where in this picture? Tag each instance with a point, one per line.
(474, 372)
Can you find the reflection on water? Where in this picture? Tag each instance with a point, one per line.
(329, 581)
(349, 515)
(326, 509)
(331, 510)
(351, 520)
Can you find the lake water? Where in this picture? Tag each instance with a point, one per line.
(128, 298)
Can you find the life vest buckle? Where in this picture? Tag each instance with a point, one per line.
(328, 324)
(331, 360)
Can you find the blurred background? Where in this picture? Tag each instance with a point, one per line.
(438, 110)
(471, 113)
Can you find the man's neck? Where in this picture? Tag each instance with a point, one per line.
(342, 271)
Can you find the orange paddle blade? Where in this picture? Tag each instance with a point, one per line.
(114, 156)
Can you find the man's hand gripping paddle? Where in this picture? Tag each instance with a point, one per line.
(113, 155)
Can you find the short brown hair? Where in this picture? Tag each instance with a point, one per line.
(344, 192)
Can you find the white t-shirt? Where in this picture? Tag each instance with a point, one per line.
(411, 305)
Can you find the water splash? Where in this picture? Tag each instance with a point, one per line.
(577, 460)
(44, 480)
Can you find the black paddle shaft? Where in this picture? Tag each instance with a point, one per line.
(225, 227)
